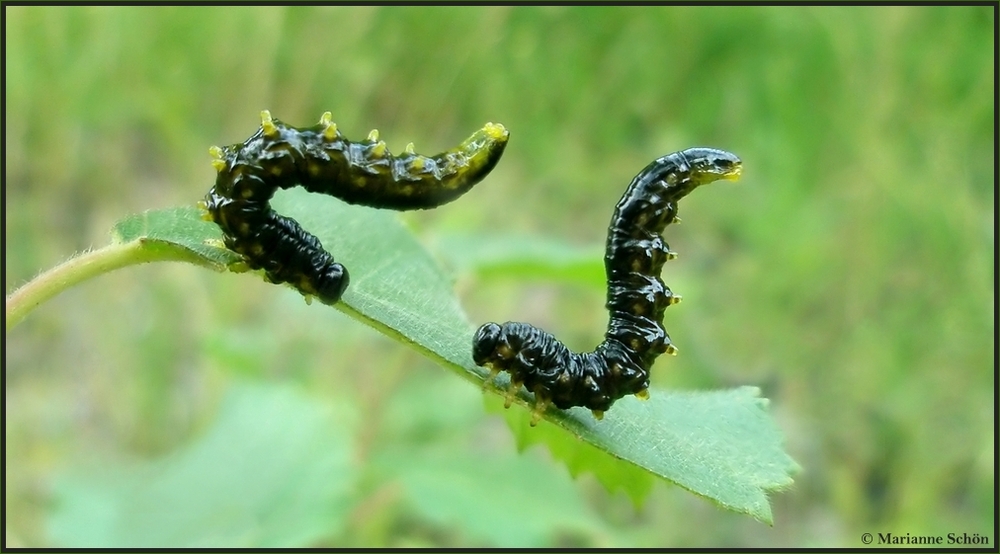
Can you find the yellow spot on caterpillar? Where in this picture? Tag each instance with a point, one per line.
(217, 162)
(505, 352)
(247, 192)
(238, 267)
(267, 123)
(308, 298)
(379, 149)
(598, 414)
(675, 298)
(417, 164)
(409, 149)
(511, 391)
(541, 404)
(495, 131)
(314, 169)
(734, 174)
(329, 127)
(244, 228)
(373, 136)
(671, 349)
(671, 255)
(616, 369)
(643, 394)
(493, 374)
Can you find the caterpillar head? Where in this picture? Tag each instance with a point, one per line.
(705, 165)
(332, 282)
(484, 344)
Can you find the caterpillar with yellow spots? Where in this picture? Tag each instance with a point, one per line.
(320, 159)
(636, 299)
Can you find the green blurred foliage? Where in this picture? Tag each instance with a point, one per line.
(850, 273)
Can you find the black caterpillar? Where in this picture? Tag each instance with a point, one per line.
(636, 301)
(321, 160)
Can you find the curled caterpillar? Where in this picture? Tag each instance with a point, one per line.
(321, 160)
(636, 300)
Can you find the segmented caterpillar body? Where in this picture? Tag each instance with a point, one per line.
(636, 300)
(321, 160)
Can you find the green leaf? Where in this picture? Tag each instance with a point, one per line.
(396, 286)
(275, 470)
(578, 455)
(531, 503)
(722, 445)
(523, 256)
(181, 227)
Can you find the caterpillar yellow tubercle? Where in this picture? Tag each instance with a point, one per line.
(321, 160)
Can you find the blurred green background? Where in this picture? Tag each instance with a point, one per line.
(849, 274)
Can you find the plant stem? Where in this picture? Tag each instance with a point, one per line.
(82, 267)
